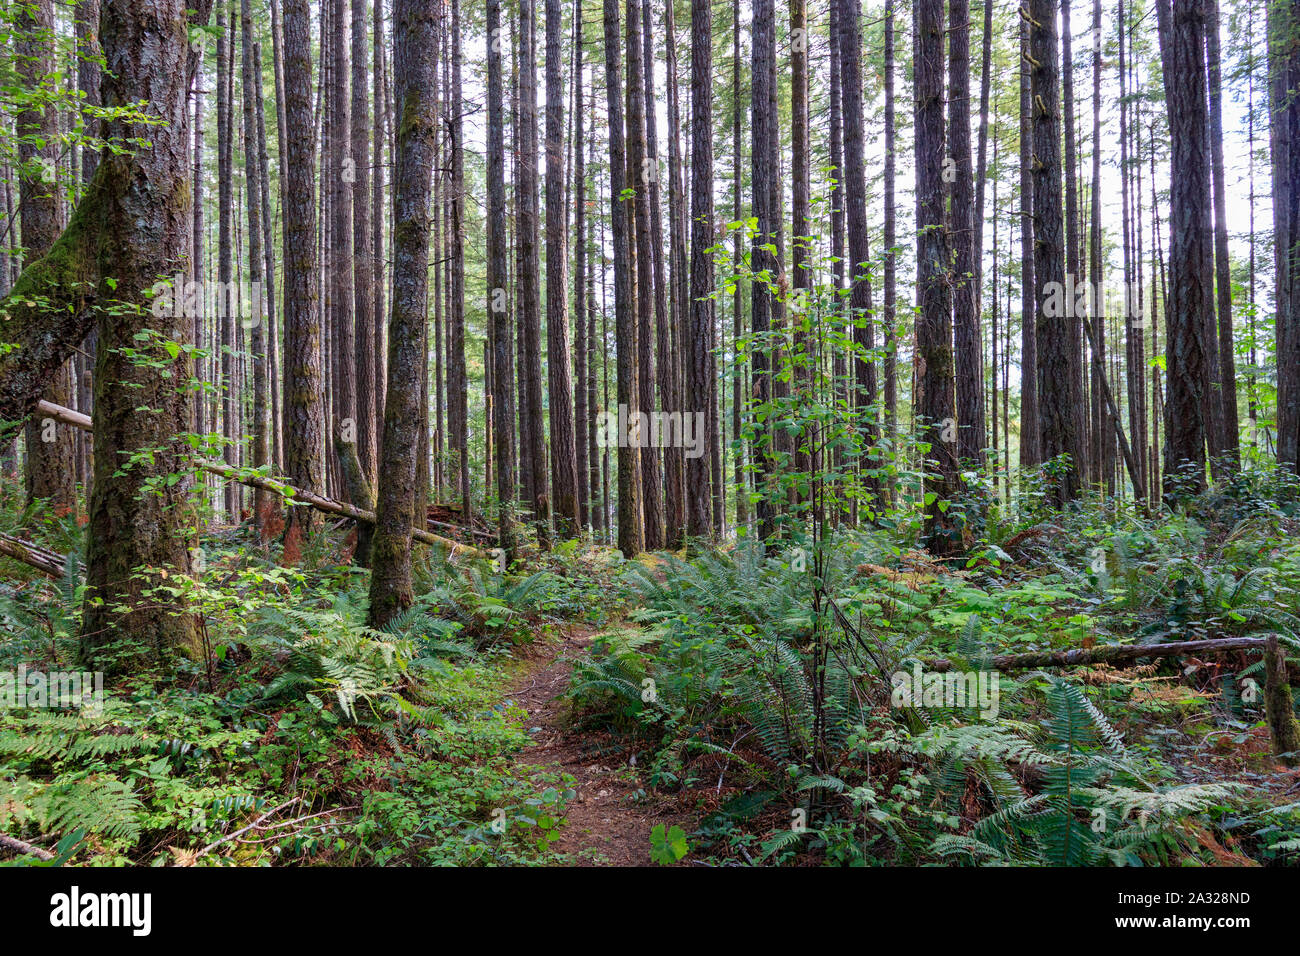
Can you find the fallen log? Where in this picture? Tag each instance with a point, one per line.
(319, 502)
(464, 529)
(22, 846)
(1108, 654)
(47, 562)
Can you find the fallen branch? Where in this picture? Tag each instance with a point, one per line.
(23, 847)
(1109, 654)
(319, 502)
(47, 562)
(466, 529)
(252, 826)
(259, 826)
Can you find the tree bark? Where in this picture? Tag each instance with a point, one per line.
(582, 410)
(1191, 301)
(890, 317)
(340, 170)
(140, 526)
(968, 342)
(631, 533)
(936, 402)
(1057, 434)
(855, 197)
(1030, 454)
(226, 301)
(559, 368)
(457, 378)
(363, 276)
(414, 39)
(51, 471)
(304, 411)
(701, 310)
(252, 95)
(763, 133)
(642, 170)
(503, 373)
(1284, 143)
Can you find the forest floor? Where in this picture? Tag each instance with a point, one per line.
(610, 815)
(504, 719)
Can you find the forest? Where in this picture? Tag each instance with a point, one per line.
(650, 433)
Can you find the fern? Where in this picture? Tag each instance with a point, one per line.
(97, 803)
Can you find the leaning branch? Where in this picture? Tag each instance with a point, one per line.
(1109, 654)
(319, 502)
(22, 846)
(47, 562)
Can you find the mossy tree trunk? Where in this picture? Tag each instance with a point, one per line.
(415, 38)
(304, 409)
(50, 469)
(140, 528)
(935, 373)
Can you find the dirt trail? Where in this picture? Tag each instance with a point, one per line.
(610, 819)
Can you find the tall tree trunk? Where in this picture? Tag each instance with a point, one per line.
(1191, 300)
(699, 366)
(198, 246)
(582, 347)
(304, 409)
(1284, 145)
(261, 425)
(677, 512)
(88, 77)
(935, 371)
(340, 171)
(276, 446)
(377, 193)
(1057, 434)
(564, 468)
(631, 532)
(533, 454)
(763, 132)
(50, 472)
(968, 342)
(668, 458)
(1105, 447)
(890, 317)
(855, 196)
(1030, 454)
(414, 68)
(457, 377)
(139, 529)
(803, 358)
(503, 373)
(643, 169)
(598, 459)
(1073, 243)
(737, 306)
(225, 299)
(1222, 266)
(1101, 430)
(981, 166)
(363, 279)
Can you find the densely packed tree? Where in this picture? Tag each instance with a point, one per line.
(339, 272)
